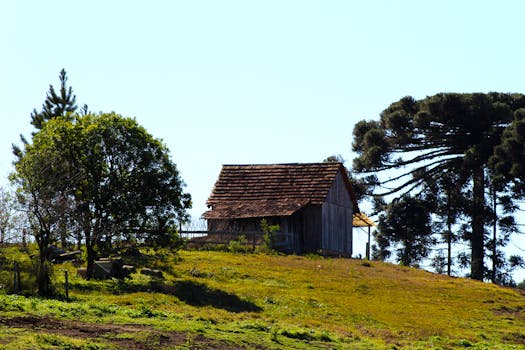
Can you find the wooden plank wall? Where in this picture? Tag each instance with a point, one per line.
(337, 215)
(295, 224)
(304, 230)
(311, 222)
(287, 239)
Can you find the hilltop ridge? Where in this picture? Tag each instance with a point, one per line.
(259, 301)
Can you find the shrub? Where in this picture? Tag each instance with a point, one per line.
(240, 245)
(268, 235)
(306, 335)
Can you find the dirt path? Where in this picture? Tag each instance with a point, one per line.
(108, 333)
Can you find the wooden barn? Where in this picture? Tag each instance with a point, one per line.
(313, 204)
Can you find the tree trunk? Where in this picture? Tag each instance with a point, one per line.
(494, 234)
(449, 249)
(449, 233)
(63, 235)
(79, 241)
(478, 225)
(90, 259)
(44, 279)
(24, 238)
(43, 273)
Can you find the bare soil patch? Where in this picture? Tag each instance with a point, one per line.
(109, 333)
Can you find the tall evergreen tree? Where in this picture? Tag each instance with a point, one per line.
(450, 201)
(406, 222)
(56, 104)
(507, 161)
(503, 225)
(445, 132)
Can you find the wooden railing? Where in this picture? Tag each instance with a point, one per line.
(253, 238)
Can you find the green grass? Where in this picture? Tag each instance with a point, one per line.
(280, 302)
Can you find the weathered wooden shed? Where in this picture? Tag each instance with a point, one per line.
(313, 204)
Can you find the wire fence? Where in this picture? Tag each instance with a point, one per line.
(200, 238)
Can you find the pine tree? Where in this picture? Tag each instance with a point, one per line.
(55, 104)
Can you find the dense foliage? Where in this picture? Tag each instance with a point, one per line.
(444, 133)
(405, 221)
(508, 158)
(104, 174)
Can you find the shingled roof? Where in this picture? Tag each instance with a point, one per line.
(249, 191)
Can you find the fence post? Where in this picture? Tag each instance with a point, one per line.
(16, 277)
(66, 284)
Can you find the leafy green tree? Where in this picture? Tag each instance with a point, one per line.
(11, 216)
(447, 132)
(121, 180)
(45, 208)
(40, 194)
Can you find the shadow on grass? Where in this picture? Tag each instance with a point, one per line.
(190, 292)
(199, 294)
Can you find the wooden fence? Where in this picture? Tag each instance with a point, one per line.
(11, 273)
(251, 238)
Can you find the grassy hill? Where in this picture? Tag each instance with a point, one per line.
(257, 301)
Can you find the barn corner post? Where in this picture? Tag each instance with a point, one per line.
(368, 244)
(361, 220)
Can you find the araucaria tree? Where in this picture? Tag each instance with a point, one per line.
(405, 222)
(119, 181)
(508, 160)
(447, 132)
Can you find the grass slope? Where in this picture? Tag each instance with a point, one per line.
(225, 300)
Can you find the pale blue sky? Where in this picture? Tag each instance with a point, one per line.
(225, 82)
